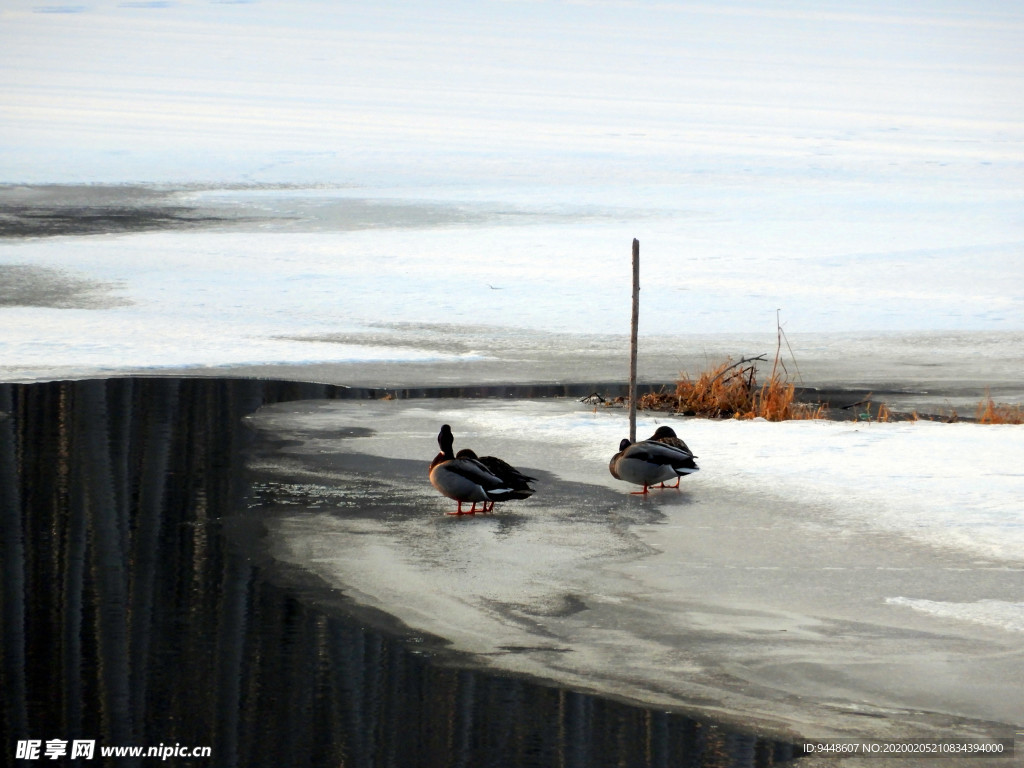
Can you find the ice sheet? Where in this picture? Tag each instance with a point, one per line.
(487, 165)
(527, 291)
(811, 579)
(583, 95)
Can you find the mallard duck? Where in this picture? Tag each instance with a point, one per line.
(468, 478)
(652, 461)
(668, 436)
(515, 479)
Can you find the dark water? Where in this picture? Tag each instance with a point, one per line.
(128, 619)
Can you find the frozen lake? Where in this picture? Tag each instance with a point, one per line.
(329, 285)
(453, 183)
(812, 579)
(396, 197)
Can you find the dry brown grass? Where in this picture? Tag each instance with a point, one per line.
(883, 413)
(728, 391)
(731, 390)
(989, 412)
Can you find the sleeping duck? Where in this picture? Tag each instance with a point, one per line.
(653, 461)
(668, 436)
(469, 478)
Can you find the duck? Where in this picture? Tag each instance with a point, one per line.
(668, 436)
(653, 461)
(500, 468)
(468, 478)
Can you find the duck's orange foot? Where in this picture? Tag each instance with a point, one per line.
(644, 492)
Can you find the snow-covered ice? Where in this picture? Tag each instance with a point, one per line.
(487, 165)
(519, 295)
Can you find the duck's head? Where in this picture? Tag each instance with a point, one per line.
(623, 445)
(663, 432)
(445, 439)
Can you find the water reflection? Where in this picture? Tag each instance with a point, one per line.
(128, 620)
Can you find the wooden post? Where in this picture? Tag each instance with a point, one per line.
(633, 340)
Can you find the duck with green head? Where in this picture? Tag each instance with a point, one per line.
(468, 478)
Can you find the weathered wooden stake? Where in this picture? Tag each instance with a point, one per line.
(633, 340)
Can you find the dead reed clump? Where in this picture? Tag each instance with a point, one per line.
(716, 392)
(776, 401)
(988, 412)
(730, 390)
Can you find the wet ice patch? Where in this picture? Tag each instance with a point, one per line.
(29, 285)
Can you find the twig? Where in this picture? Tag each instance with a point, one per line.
(778, 342)
(633, 328)
(854, 405)
(792, 354)
(737, 365)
